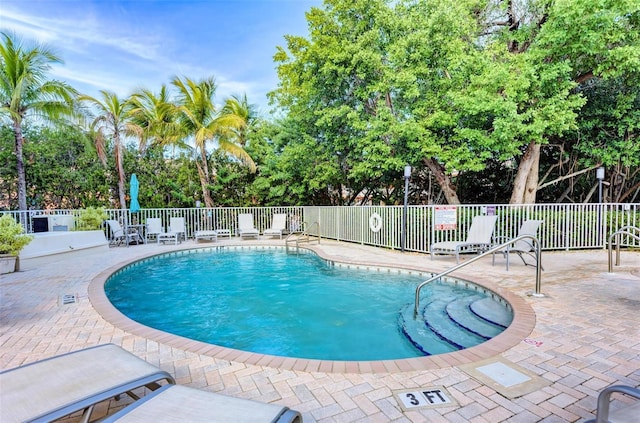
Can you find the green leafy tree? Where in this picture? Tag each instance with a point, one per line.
(609, 133)
(63, 170)
(295, 168)
(337, 86)
(452, 85)
(25, 91)
(565, 43)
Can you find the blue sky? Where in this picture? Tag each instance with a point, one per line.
(124, 45)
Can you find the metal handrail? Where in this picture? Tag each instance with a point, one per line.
(625, 230)
(604, 398)
(305, 233)
(494, 249)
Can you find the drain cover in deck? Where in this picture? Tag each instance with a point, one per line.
(505, 377)
(68, 299)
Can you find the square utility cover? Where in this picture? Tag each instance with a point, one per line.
(505, 377)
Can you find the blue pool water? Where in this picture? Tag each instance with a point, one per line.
(271, 302)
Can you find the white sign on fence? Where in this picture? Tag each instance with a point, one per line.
(445, 218)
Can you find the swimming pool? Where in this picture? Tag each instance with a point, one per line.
(270, 302)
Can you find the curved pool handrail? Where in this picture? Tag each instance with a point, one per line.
(304, 235)
(625, 230)
(536, 244)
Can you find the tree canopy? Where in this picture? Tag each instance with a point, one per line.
(454, 85)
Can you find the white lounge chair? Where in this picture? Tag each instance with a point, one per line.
(119, 235)
(50, 389)
(523, 246)
(53, 388)
(177, 231)
(174, 403)
(245, 226)
(154, 228)
(278, 225)
(478, 239)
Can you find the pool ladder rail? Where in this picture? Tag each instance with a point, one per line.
(304, 236)
(494, 249)
(625, 230)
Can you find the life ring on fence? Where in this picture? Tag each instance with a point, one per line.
(375, 222)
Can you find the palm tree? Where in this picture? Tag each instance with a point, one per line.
(25, 92)
(236, 120)
(156, 117)
(111, 121)
(200, 120)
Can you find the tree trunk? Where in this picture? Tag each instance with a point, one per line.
(443, 180)
(522, 183)
(22, 180)
(120, 167)
(204, 183)
(531, 187)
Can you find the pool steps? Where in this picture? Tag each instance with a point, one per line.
(454, 322)
(492, 311)
(458, 311)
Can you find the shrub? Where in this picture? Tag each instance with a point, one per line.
(12, 236)
(90, 219)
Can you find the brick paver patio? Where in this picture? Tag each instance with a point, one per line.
(582, 336)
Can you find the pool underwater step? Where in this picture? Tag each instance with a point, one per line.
(423, 338)
(491, 311)
(436, 318)
(453, 322)
(460, 312)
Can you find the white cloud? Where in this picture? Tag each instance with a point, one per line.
(121, 46)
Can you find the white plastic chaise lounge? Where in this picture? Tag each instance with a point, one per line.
(278, 225)
(53, 388)
(177, 231)
(178, 404)
(478, 239)
(245, 226)
(56, 387)
(521, 247)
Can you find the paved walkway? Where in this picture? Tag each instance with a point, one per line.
(585, 336)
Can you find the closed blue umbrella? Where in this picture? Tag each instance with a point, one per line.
(134, 206)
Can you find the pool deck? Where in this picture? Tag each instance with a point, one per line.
(582, 336)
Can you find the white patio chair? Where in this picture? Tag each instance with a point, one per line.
(154, 228)
(278, 225)
(119, 236)
(245, 226)
(523, 246)
(176, 225)
(177, 231)
(478, 239)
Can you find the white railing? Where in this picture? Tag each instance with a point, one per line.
(565, 227)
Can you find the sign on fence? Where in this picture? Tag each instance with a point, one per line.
(445, 218)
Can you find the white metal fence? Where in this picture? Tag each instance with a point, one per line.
(565, 227)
